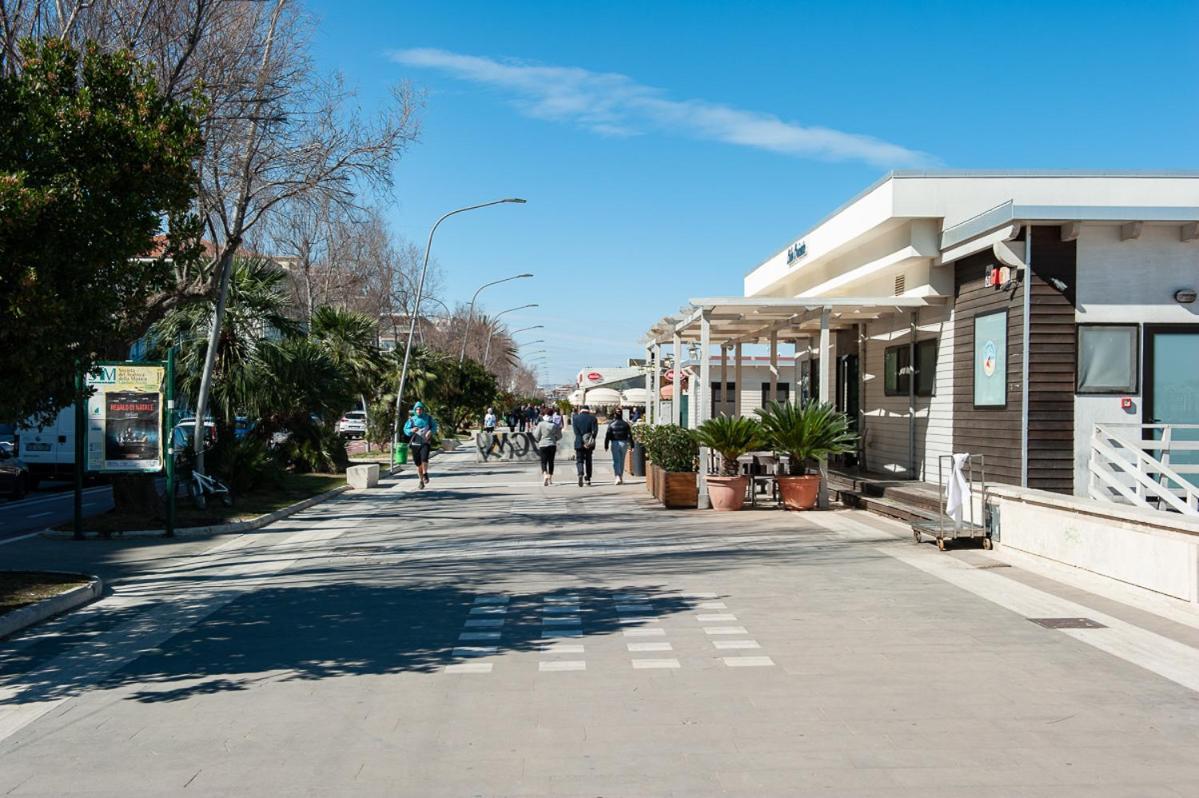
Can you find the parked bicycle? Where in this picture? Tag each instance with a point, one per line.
(201, 486)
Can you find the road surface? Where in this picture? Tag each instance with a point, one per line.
(42, 510)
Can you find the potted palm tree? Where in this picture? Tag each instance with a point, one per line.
(731, 437)
(804, 434)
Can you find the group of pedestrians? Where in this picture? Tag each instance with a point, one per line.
(524, 418)
(585, 426)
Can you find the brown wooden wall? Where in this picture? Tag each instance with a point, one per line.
(995, 432)
(1052, 353)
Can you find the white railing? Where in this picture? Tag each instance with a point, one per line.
(1130, 464)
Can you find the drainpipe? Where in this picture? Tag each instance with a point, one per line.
(1024, 346)
(912, 397)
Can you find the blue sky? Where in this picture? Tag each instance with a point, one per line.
(665, 148)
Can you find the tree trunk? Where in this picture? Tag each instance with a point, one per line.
(137, 494)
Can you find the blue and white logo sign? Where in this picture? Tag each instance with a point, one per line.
(796, 251)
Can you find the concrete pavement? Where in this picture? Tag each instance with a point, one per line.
(488, 636)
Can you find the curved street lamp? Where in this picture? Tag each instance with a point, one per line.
(491, 329)
(526, 329)
(420, 287)
(470, 314)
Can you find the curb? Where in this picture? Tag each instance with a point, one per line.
(18, 620)
(220, 529)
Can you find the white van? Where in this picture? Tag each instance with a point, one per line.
(50, 451)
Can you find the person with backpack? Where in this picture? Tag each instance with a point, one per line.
(586, 429)
(620, 436)
(420, 429)
(546, 435)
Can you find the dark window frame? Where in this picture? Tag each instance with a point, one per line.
(904, 352)
(784, 391)
(1138, 354)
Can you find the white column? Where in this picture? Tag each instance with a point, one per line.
(724, 380)
(774, 365)
(676, 402)
(703, 396)
(656, 387)
(826, 380)
(649, 363)
(737, 387)
(801, 345)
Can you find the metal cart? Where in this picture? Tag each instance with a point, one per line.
(944, 528)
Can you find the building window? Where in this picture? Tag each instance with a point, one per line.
(1108, 358)
(784, 393)
(897, 372)
(720, 397)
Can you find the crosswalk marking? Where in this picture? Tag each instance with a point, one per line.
(473, 651)
(725, 630)
(736, 643)
(647, 664)
(483, 623)
(563, 665)
(467, 636)
(748, 662)
(721, 616)
(496, 598)
(469, 667)
(651, 632)
(639, 647)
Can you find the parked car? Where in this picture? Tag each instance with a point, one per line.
(186, 429)
(15, 480)
(352, 424)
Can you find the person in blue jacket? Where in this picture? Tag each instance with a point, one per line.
(420, 429)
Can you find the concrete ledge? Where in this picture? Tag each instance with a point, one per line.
(220, 529)
(18, 620)
(361, 477)
(1155, 551)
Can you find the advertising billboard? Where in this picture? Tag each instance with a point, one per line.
(124, 419)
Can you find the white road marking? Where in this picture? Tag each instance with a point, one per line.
(560, 608)
(748, 662)
(473, 651)
(469, 667)
(644, 632)
(736, 643)
(625, 609)
(715, 617)
(488, 610)
(699, 595)
(631, 597)
(483, 623)
(649, 647)
(649, 664)
(20, 537)
(496, 598)
(560, 621)
(725, 630)
(563, 665)
(552, 633)
(711, 605)
(468, 636)
(40, 515)
(561, 599)
(633, 620)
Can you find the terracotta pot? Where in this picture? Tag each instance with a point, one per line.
(727, 493)
(799, 493)
(680, 490)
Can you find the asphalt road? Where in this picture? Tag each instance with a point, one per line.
(491, 637)
(43, 510)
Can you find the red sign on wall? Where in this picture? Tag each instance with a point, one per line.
(595, 376)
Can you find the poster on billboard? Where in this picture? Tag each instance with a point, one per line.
(124, 418)
(990, 360)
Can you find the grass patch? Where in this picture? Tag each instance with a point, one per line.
(292, 488)
(22, 588)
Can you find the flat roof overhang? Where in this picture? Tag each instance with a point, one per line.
(745, 320)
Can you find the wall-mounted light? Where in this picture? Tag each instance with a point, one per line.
(1058, 284)
(1184, 296)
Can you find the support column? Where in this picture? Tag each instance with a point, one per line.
(826, 380)
(656, 389)
(797, 373)
(737, 386)
(862, 340)
(676, 403)
(774, 365)
(649, 387)
(703, 396)
(724, 380)
(912, 397)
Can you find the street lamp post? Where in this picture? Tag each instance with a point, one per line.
(491, 329)
(470, 314)
(420, 287)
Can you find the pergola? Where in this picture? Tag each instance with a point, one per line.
(731, 322)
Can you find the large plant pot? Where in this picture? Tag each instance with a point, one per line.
(727, 493)
(680, 491)
(799, 493)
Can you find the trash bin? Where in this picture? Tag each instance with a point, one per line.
(401, 454)
(638, 460)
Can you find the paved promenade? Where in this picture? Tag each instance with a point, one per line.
(490, 637)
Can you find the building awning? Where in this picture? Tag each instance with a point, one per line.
(748, 320)
(634, 396)
(601, 396)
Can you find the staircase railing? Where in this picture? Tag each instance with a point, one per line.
(1123, 470)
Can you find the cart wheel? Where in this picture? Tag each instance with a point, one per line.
(987, 544)
(941, 544)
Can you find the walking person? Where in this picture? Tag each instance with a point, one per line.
(556, 417)
(546, 435)
(420, 429)
(488, 441)
(586, 429)
(620, 436)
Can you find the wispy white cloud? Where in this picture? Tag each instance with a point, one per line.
(612, 104)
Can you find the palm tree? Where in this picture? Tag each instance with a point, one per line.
(351, 341)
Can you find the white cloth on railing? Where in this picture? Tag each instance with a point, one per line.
(959, 489)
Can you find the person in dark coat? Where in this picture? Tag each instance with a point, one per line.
(586, 429)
